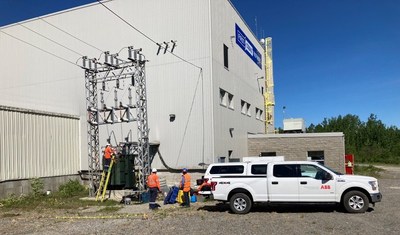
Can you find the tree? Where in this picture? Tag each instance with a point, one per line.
(370, 141)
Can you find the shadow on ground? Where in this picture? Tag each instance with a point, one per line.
(280, 208)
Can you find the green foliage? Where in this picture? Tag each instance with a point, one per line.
(37, 186)
(10, 200)
(71, 188)
(53, 201)
(369, 141)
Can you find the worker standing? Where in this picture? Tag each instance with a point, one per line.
(108, 154)
(153, 183)
(185, 186)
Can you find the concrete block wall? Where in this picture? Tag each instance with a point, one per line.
(294, 147)
(19, 187)
(173, 179)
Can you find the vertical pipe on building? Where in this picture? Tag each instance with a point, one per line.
(212, 87)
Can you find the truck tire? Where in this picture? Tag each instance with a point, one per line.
(240, 203)
(355, 202)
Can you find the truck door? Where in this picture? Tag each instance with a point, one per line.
(315, 185)
(258, 172)
(283, 183)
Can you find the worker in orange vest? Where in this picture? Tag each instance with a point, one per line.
(153, 183)
(185, 186)
(108, 154)
(204, 186)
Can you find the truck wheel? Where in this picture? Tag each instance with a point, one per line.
(355, 202)
(240, 203)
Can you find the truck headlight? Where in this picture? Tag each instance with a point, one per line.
(374, 184)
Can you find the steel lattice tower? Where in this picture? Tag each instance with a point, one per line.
(143, 129)
(114, 70)
(92, 128)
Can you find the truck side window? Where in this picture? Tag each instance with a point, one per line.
(227, 169)
(259, 169)
(311, 171)
(288, 170)
(308, 171)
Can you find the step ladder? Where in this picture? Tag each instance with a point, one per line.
(105, 178)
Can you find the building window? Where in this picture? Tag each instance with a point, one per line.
(259, 114)
(222, 97)
(226, 99)
(316, 156)
(230, 101)
(243, 106)
(267, 154)
(248, 110)
(226, 63)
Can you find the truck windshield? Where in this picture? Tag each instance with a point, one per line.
(336, 172)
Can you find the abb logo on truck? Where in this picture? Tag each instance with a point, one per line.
(325, 187)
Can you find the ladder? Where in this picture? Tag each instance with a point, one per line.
(105, 178)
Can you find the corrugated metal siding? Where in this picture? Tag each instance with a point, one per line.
(37, 145)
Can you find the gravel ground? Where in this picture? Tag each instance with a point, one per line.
(214, 218)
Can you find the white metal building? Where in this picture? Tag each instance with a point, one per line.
(43, 117)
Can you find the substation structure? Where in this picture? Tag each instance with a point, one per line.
(113, 71)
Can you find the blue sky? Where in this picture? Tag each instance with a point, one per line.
(330, 57)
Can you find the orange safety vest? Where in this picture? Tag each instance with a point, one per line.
(153, 181)
(108, 152)
(185, 182)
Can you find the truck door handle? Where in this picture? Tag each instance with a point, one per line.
(274, 182)
(303, 182)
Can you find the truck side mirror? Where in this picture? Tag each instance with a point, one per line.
(326, 176)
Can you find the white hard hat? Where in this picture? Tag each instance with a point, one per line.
(154, 170)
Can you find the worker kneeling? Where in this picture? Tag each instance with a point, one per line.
(153, 183)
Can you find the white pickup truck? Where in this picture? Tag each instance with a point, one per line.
(243, 184)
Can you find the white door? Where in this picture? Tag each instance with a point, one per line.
(314, 185)
(283, 185)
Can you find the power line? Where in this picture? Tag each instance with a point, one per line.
(50, 53)
(126, 22)
(39, 83)
(50, 39)
(70, 35)
(190, 114)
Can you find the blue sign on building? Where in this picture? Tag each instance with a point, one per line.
(247, 46)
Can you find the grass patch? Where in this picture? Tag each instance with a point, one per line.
(368, 170)
(67, 197)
